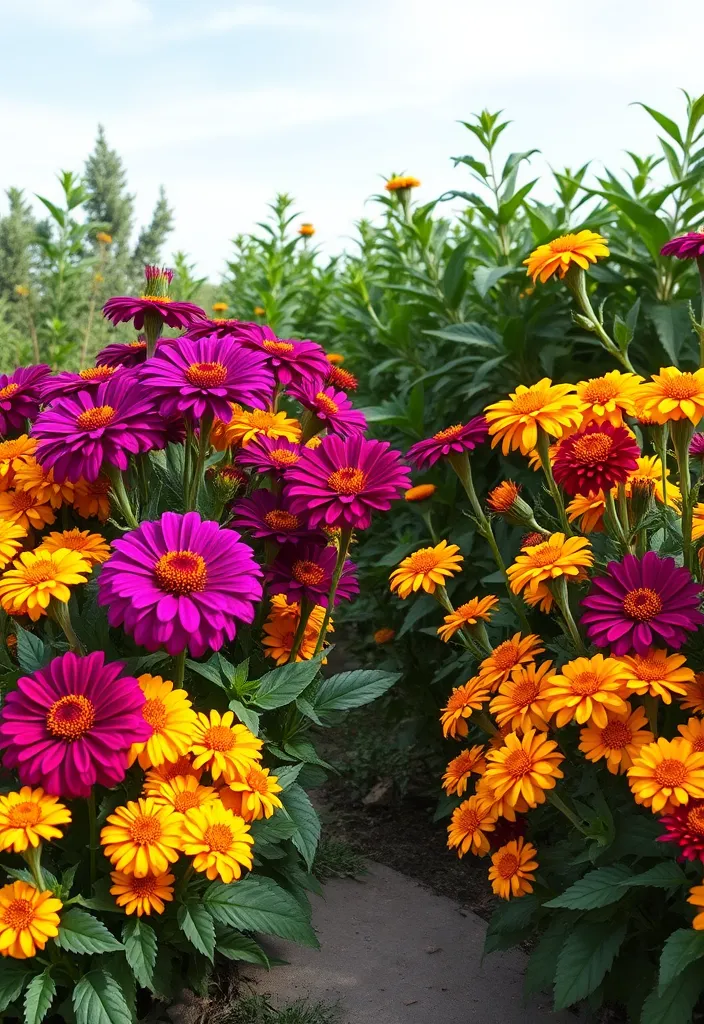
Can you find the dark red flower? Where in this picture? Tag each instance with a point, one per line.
(685, 826)
(595, 459)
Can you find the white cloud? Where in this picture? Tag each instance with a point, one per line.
(80, 14)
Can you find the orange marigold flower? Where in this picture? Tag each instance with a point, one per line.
(501, 498)
(28, 919)
(589, 509)
(92, 546)
(245, 426)
(384, 635)
(15, 453)
(556, 556)
(468, 827)
(22, 508)
(426, 568)
(39, 482)
(512, 867)
(693, 731)
(515, 420)
(306, 230)
(524, 768)
(606, 399)
(467, 614)
(693, 699)
(673, 395)
(521, 701)
(142, 895)
(666, 774)
(542, 599)
(461, 767)
(462, 702)
(92, 498)
(400, 182)
(619, 741)
(557, 256)
(421, 492)
(657, 673)
(519, 650)
(585, 688)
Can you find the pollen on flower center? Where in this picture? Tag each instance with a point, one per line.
(284, 457)
(326, 404)
(468, 820)
(518, 764)
(643, 604)
(97, 372)
(143, 887)
(181, 572)
(592, 447)
(525, 693)
(585, 683)
(27, 813)
(565, 243)
(307, 572)
(449, 433)
(137, 344)
(279, 519)
(695, 819)
(21, 501)
(648, 669)
(70, 717)
(347, 480)
(219, 737)
(529, 401)
(145, 829)
(670, 772)
(423, 561)
(186, 800)
(599, 392)
(507, 865)
(544, 555)
(683, 386)
(616, 735)
(154, 713)
(277, 347)
(8, 391)
(218, 838)
(19, 915)
(155, 298)
(206, 375)
(505, 655)
(262, 419)
(256, 780)
(94, 419)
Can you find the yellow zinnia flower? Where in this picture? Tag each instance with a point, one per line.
(28, 919)
(693, 731)
(468, 614)
(468, 827)
(512, 868)
(521, 701)
(462, 701)
(556, 556)
(589, 509)
(673, 395)
(421, 492)
(11, 537)
(29, 817)
(183, 793)
(606, 399)
(171, 716)
(426, 568)
(399, 182)
(461, 767)
(523, 768)
(556, 257)
(15, 453)
(657, 673)
(585, 688)
(33, 479)
(519, 650)
(38, 576)
(220, 307)
(168, 771)
(666, 774)
(336, 358)
(693, 699)
(306, 230)
(142, 895)
(22, 508)
(255, 794)
(245, 426)
(515, 420)
(223, 746)
(142, 838)
(92, 498)
(619, 741)
(92, 546)
(218, 840)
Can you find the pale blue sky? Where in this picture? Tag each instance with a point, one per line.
(227, 102)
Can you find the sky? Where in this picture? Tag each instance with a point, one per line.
(227, 103)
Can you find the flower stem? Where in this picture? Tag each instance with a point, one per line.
(153, 326)
(576, 281)
(120, 493)
(559, 591)
(543, 447)
(345, 541)
(197, 476)
(681, 434)
(179, 669)
(59, 612)
(561, 806)
(428, 519)
(93, 838)
(305, 609)
(33, 857)
(612, 521)
(650, 704)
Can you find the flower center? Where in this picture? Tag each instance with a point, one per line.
(670, 772)
(592, 447)
(347, 480)
(94, 419)
(642, 604)
(544, 554)
(137, 344)
(457, 700)
(181, 572)
(599, 392)
(186, 800)
(683, 386)
(283, 457)
(145, 829)
(218, 838)
(206, 375)
(154, 713)
(695, 819)
(585, 683)
(21, 501)
(648, 669)
(257, 781)
(518, 764)
(508, 865)
(19, 915)
(262, 419)
(529, 401)
(155, 298)
(616, 735)
(310, 574)
(219, 737)
(468, 820)
(171, 770)
(279, 519)
(325, 404)
(97, 372)
(277, 347)
(449, 433)
(566, 243)
(143, 887)
(423, 562)
(8, 391)
(525, 693)
(26, 813)
(505, 655)
(70, 717)
(698, 744)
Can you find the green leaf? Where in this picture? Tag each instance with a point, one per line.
(282, 685)
(248, 716)
(97, 999)
(80, 932)
(307, 709)
(197, 925)
(681, 949)
(39, 997)
(666, 123)
(587, 955)
(301, 811)
(31, 652)
(675, 1003)
(209, 670)
(541, 967)
(348, 690)
(508, 921)
(13, 976)
(596, 889)
(236, 946)
(672, 326)
(140, 949)
(454, 280)
(288, 774)
(304, 750)
(258, 904)
(662, 876)
(272, 830)
(486, 277)
(469, 334)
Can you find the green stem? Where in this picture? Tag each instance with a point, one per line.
(612, 521)
(305, 609)
(121, 497)
(484, 722)
(681, 434)
(197, 476)
(33, 857)
(93, 838)
(428, 519)
(59, 612)
(623, 510)
(153, 326)
(345, 541)
(561, 806)
(179, 669)
(543, 447)
(559, 591)
(576, 281)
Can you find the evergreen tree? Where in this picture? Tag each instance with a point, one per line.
(109, 204)
(17, 236)
(152, 237)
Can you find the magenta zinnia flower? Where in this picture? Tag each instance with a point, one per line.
(67, 383)
(20, 396)
(345, 480)
(640, 602)
(81, 433)
(332, 408)
(155, 303)
(696, 446)
(595, 459)
(685, 826)
(270, 454)
(292, 362)
(123, 353)
(70, 725)
(463, 437)
(305, 571)
(685, 247)
(222, 328)
(201, 378)
(269, 516)
(180, 581)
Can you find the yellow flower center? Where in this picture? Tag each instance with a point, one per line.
(592, 447)
(97, 372)
(8, 391)
(642, 604)
(155, 298)
(218, 838)
(206, 375)
(505, 655)
(21, 501)
(670, 772)
(518, 764)
(468, 820)
(283, 457)
(145, 829)
(565, 243)
(310, 574)
(683, 386)
(279, 519)
(507, 865)
(171, 770)
(186, 800)
(277, 347)
(423, 562)
(544, 554)
(257, 780)
(599, 392)
(94, 419)
(525, 693)
(347, 480)
(586, 683)
(457, 700)
(181, 572)
(18, 915)
(143, 887)
(70, 717)
(27, 813)
(616, 735)
(326, 404)
(261, 418)
(154, 713)
(695, 819)
(529, 401)
(219, 737)
(648, 669)
(137, 344)
(449, 433)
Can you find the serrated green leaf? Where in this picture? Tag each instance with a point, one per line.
(588, 953)
(541, 967)
(675, 1003)
(248, 716)
(508, 921)
(282, 685)
(682, 948)
(139, 939)
(97, 999)
(303, 814)
(236, 946)
(258, 904)
(272, 830)
(348, 690)
(39, 997)
(31, 651)
(197, 925)
(662, 876)
(288, 774)
(80, 932)
(303, 750)
(598, 888)
(209, 670)
(13, 976)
